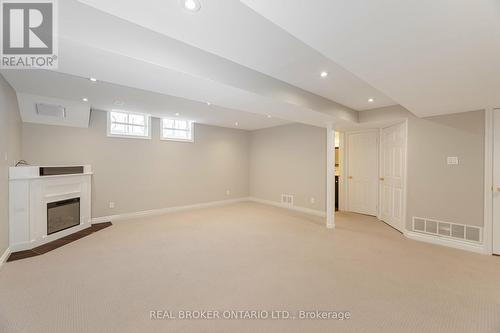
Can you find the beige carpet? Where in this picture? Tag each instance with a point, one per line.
(250, 257)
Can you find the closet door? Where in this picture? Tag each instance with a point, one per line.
(392, 170)
(362, 172)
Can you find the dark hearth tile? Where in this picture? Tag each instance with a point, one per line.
(50, 246)
(78, 235)
(100, 226)
(21, 255)
(58, 242)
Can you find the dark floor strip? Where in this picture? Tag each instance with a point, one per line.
(58, 242)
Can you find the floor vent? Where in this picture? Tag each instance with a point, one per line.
(287, 200)
(447, 229)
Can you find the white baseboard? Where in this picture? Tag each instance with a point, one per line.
(4, 257)
(449, 242)
(295, 208)
(161, 211)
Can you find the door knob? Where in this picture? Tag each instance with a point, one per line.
(382, 179)
(350, 177)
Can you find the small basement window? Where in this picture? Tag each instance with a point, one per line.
(129, 125)
(177, 130)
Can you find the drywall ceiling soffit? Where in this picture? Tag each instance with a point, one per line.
(233, 31)
(67, 90)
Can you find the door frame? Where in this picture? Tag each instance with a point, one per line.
(345, 167)
(402, 227)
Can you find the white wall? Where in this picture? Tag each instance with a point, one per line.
(140, 174)
(435, 189)
(10, 145)
(289, 159)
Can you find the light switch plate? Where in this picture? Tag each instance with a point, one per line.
(452, 160)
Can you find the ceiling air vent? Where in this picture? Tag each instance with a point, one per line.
(49, 110)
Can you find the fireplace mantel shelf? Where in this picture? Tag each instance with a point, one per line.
(55, 176)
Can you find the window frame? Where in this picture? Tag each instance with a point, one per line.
(147, 125)
(190, 123)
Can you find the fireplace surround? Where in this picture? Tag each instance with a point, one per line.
(45, 207)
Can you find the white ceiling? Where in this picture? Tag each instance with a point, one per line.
(431, 56)
(231, 30)
(93, 43)
(68, 91)
(254, 58)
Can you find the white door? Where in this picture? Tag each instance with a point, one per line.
(392, 175)
(496, 181)
(362, 172)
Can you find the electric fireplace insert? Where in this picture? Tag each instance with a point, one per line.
(62, 215)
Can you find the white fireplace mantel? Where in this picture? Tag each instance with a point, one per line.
(29, 195)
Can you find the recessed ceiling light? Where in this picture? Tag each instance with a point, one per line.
(268, 116)
(324, 74)
(371, 100)
(208, 103)
(191, 5)
(85, 99)
(177, 114)
(236, 124)
(93, 79)
(119, 103)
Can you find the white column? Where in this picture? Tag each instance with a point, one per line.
(488, 180)
(330, 177)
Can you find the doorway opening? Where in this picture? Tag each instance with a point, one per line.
(338, 158)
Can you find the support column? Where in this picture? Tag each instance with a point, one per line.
(488, 180)
(330, 177)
